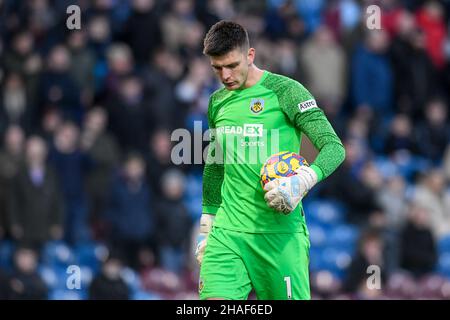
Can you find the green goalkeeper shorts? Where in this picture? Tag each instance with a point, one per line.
(274, 265)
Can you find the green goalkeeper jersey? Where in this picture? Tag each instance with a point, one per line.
(247, 127)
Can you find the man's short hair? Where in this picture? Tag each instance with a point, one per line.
(224, 37)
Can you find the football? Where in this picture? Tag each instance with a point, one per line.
(281, 164)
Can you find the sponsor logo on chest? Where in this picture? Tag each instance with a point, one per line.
(247, 130)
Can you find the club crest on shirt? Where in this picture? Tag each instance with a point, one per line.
(257, 105)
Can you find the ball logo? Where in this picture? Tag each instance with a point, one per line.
(257, 105)
(282, 167)
(281, 164)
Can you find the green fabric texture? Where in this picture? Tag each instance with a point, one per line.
(248, 126)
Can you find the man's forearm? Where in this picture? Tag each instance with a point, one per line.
(322, 135)
(212, 183)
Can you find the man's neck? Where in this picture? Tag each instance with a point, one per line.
(254, 75)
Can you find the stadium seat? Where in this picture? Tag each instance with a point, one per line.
(193, 196)
(194, 207)
(66, 294)
(385, 166)
(57, 253)
(144, 295)
(324, 211)
(317, 235)
(336, 261)
(315, 259)
(87, 275)
(444, 264)
(55, 276)
(91, 255)
(6, 252)
(343, 237)
(132, 279)
(444, 244)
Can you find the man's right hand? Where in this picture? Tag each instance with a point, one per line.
(206, 223)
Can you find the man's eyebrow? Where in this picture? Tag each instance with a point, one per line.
(230, 65)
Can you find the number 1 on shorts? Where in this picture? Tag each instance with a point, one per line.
(288, 287)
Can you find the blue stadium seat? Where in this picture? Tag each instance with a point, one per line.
(193, 196)
(66, 294)
(336, 261)
(444, 244)
(87, 275)
(57, 253)
(194, 207)
(317, 234)
(412, 165)
(343, 237)
(55, 277)
(444, 264)
(386, 166)
(326, 212)
(315, 259)
(6, 254)
(144, 295)
(91, 255)
(132, 279)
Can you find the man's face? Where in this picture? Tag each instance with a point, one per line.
(232, 68)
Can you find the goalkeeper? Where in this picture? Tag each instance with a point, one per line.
(250, 237)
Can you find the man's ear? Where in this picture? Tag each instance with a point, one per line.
(250, 56)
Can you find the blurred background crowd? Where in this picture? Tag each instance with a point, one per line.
(86, 117)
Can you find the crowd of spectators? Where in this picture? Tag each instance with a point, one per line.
(86, 117)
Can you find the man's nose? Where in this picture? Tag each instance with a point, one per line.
(226, 73)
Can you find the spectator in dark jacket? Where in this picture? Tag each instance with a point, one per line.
(415, 74)
(349, 185)
(160, 79)
(418, 247)
(58, 88)
(130, 214)
(372, 78)
(83, 64)
(370, 253)
(108, 284)
(25, 282)
(71, 164)
(4, 285)
(174, 222)
(158, 159)
(23, 59)
(143, 17)
(35, 203)
(400, 136)
(102, 148)
(15, 106)
(11, 158)
(129, 115)
(433, 133)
